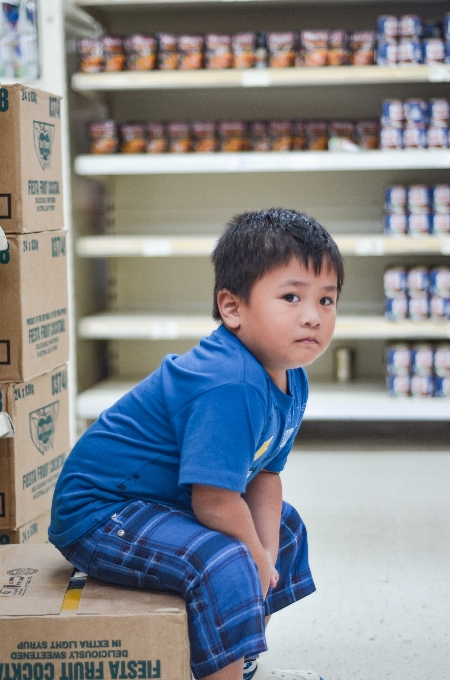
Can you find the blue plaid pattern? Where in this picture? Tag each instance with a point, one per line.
(148, 545)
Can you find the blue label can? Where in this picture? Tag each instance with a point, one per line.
(398, 385)
(414, 138)
(396, 308)
(391, 137)
(440, 197)
(440, 281)
(440, 224)
(433, 51)
(418, 281)
(439, 112)
(419, 308)
(394, 282)
(395, 199)
(410, 51)
(447, 26)
(398, 359)
(392, 113)
(387, 26)
(422, 386)
(419, 197)
(416, 112)
(387, 52)
(422, 359)
(410, 26)
(442, 360)
(395, 224)
(442, 387)
(419, 224)
(437, 137)
(439, 308)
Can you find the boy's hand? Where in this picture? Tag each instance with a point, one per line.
(274, 577)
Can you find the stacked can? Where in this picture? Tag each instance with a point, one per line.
(418, 370)
(418, 293)
(409, 40)
(415, 124)
(417, 210)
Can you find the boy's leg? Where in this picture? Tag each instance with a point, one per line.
(156, 547)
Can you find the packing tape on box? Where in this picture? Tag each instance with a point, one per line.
(3, 241)
(6, 426)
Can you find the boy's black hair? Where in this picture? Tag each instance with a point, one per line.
(254, 243)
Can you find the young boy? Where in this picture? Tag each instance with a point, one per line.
(176, 486)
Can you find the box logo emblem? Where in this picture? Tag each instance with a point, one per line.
(42, 426)
(21, 572)
(43, 134)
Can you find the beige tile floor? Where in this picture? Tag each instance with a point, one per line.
(377, 510)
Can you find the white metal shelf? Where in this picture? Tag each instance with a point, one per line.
(272, 161)
(270, 77)
(167, 3)
(326, 402)
(187, 246)
(148, 326)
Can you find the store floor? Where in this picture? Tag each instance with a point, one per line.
(378, 518)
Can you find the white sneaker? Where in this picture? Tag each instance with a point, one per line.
(264, 673)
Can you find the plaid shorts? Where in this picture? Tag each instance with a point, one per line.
(148, 545)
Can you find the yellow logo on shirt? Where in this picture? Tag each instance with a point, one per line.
(262, 449)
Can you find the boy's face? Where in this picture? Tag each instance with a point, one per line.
(289, 319)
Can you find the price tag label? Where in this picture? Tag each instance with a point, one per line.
(439, 73)
(255, 78)
(157, 247)
(370, 246)
(445, 246)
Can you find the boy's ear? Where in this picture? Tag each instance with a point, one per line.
(228, 305)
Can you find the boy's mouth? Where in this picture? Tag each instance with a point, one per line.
(309, 340)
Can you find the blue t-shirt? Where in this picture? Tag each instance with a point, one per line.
(211, 416)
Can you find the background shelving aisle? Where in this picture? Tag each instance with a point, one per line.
(147, 255)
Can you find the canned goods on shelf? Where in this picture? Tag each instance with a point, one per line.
(398, 385)
(422, 359)
(442, 387)
(395, 224)
(422, 386)
(440, 281)
(440, 197)
(395, 282)
(140, 52)
(387, 26)
(437, 137)
(396, 308)
(418, 281)
(439, 112)
(440, 224)
(410, 51)
(418, 199)
(410, 25)
(442, 360)
(398, 359)
(113, 53)
(392, 113)
(387, 52)
(414, 138)
(419, 224)
(419, 308)
(218, 54)
(439, 308)
(90, 55)
(391, 137)
(395, 199)
(416, 112)
(132, 138)
(104, 136)
(156, 138)
(433, 51)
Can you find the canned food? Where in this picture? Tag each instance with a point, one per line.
(396, 308)
(418, 281)
(313, 48)
(362, 47)
(243, 46)
(280, 134)
(343, 364)
(416, 112)
(387, 52)
(437, 137)
(104, 137)
(422, 359)
(395, 224)
(132, 137)
(439, 112)
(387, 26)
(440, 198)
(167, 52)
(391, 137)
(259, 135)
(396, 199)
(281, 48)
(392, 113)
(113, 53)
(442, 387)
(298, 135)
(439, 308)
(316, 133)
(398, 359)
(204, 138)
(419, 308)
(440, 224)
(398, 385)
(343, 129)
(433, 51)
(440, 281)
(442, 360)
(190, 52)
(395, 282)
(156, 138)
(338, 49)
(414, 138)
(179, 136)
(419, 224)
(410, 51)
(419, 197)
(410, 25)
(218, 54)
(233, 135)
(366, 133)
(90, 55)
(422, 386)
(141, 52)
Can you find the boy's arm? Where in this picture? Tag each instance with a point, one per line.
(227, 511)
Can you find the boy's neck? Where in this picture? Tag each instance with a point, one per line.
(280, 379)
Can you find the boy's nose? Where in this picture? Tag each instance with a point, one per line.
(310, 317)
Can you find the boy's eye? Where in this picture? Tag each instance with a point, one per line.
(326, 301)
(291, 297)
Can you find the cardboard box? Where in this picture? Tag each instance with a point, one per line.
(31, 167)
(34, 531)
(33, 305)
(49, 632)
(31, 461)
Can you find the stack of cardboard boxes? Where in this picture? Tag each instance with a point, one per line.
(34, 338)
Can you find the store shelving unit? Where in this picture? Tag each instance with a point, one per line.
(167, 210)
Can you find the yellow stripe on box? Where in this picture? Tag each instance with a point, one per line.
(72, 599)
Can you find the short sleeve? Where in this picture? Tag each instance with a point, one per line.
(217, 434)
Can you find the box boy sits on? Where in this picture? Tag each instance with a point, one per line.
(176, 486)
